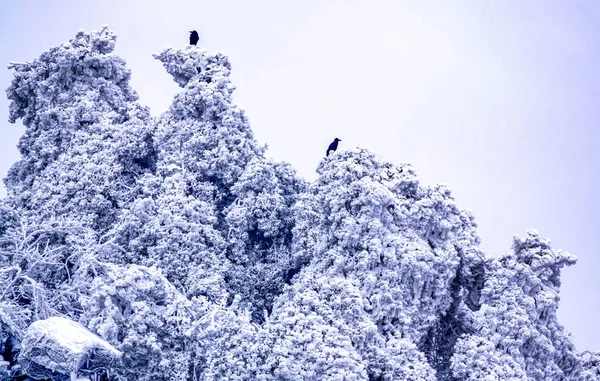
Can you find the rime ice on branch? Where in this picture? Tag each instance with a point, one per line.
(61, 345)
(209, 161)
(203, 131)
(518, 336)
(86, 138)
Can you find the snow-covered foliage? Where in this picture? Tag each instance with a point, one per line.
(517, 335)
(591, 366)
(176, 244)
(175, 231)
(204, 134)
(85, 139)
(139, 312)
(259, 232)
(37, 263)
(376, 261)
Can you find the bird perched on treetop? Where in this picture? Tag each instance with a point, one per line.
(333, 145)
(194, 37)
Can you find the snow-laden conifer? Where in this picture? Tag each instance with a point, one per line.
(516, 334)
(209, 161)
(590, 362)
(204, 132)
(86, 139)
(139, 312)
(174, 230)
(376, 259)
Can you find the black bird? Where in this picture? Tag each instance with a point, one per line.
(333, 145)
(194, 37)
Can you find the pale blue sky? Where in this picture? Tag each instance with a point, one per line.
(498, 99)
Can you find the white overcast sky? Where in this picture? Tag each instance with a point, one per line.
(499, 99)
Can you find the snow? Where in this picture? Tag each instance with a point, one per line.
(62, 345)
(69, 335)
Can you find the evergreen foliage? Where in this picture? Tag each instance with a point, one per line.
(86, 139)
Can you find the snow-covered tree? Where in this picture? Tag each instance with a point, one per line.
(212, 185)
(137, 310)
(590, 364)
(168, 228)
(516, 334)
(204, 133)
(231, 346)
(38, 261)
(377, 256)
(195, 257)
(85, 141)
(202, 144)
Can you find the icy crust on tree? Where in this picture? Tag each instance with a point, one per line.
(259, 232)
(517, 336)
(175, 231)
(138, 311)
(183, 247)
(377, 256)
(204, 132)
(86, 138)
(591, 366)
(61, 345)
(215, 216)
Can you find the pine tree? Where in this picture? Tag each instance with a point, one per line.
(204, 132)
(86, 139)
(388, 246)
(516, 335)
